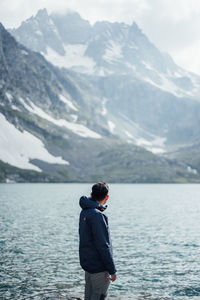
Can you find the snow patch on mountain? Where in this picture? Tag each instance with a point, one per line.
(156, 150)
(191, 170)
(24, 52)
(74, 118)
(14, 107)
(166, 85)
(113, 52)
(18, 148)
(9, 96)
(168, 82)
(128, 134)
(133, 47)
(104, 109)
(28, 108)
(38, 32)
(130, 66)
(156, 146)
(74, 58)
(111, 126)
(148, 66)
(142, 138)
(78, 129)
(68, 102)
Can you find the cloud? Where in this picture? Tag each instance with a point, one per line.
(13, 12)
(189, 57)
(171, 24)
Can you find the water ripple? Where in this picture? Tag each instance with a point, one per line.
(155, 232)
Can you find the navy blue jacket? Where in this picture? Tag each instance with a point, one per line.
(95, 248)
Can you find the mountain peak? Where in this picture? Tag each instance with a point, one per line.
(134, 27)
(42, 13)
(72, 27)
(40, 17)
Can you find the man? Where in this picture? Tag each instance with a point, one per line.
(95, 248)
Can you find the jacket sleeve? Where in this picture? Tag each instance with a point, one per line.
(102, 241)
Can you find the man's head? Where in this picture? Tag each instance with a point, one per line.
(100, 192)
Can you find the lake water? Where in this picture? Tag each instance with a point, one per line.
(155, 231)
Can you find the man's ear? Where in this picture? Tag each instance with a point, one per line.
(107, 197)
(91, 194)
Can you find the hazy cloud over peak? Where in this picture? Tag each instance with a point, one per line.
(172, 25)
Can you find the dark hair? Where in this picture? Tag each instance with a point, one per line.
(99, 191)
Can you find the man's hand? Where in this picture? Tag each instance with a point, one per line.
(113, 277)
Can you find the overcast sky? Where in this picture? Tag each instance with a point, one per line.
(172, 25)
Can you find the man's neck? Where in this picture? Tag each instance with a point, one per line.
(101, 202)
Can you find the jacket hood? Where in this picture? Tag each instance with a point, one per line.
(87, 202)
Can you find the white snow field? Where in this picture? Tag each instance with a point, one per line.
(111, 126)
(17, 148)
(68, 102)
(74, 57)
(78, 129)
(113, 52)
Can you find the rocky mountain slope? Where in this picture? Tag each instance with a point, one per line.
(147, 97)
(62, 125)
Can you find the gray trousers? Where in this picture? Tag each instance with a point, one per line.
(96, 286)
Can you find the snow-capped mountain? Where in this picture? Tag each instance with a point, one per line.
(144, 95)
(104, 48)
(91, 124)
(38, 107)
